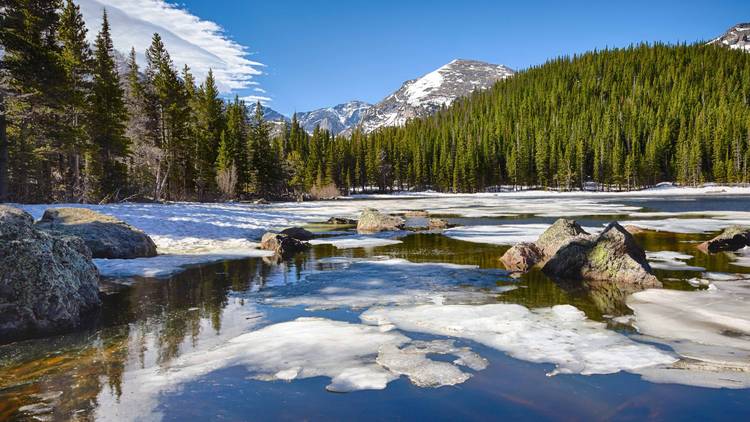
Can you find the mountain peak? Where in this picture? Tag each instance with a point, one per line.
(737, 37)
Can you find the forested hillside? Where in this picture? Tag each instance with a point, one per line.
(629, 118)
(73, 129)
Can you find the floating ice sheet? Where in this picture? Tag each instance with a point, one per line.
(504, 234)
(710, 328)
(168, 264)
(357, 241)
(561, 335)
(672, 261)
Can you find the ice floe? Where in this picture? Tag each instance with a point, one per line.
(671, 261)
(361, 283)
(709, 328)
(168, 264)
(356, 241)
(560, 335)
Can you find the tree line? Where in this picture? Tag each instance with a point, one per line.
(80, 124)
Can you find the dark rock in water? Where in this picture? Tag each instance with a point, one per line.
(282, 245)
(372, 220)
(731, 239)
(48, 282)
(337, 221)
(612, 256)
(298, 233)
(106, 236)
(521, 257)
(437, 224)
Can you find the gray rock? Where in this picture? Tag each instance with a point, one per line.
(298, 233)
(48, 282)
(372, 220)
(106, 236)
(613, 256)
(731, 239)
(282, 245)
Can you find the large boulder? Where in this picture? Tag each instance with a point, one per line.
(282, 245)
(524, 256)
(106, 236)
(437, 224)
(731, 239)
(372, 221)
(612, 256)
(48, 282)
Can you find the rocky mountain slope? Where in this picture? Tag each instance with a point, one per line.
(737, 37)
(335, 119)
(425, 95)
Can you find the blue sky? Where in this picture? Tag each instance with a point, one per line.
(321, 53)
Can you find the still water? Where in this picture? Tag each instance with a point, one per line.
(151, 323)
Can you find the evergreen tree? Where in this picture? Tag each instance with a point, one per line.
(105, 161)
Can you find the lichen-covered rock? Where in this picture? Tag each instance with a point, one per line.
(521, 257)
(48, 282)
(106, 236)
(613, 256)
(372, 220)
(437, 224)
(731, 239)
(282, 245)
(298, 233)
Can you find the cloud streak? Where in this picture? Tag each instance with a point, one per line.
(201, 44)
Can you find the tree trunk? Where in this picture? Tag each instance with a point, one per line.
(4, 160)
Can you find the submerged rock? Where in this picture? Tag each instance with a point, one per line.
(372, 220)
(613, 256)
(731, 239)
(338, 221)
(48, 282)
(106, 236)
(282, 245)
(298, 233)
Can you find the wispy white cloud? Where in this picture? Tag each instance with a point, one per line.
(249, 99)
(201, 44)
(261, 90)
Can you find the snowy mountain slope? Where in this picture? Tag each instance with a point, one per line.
(425, 95)
(335, 119)
(737, 37)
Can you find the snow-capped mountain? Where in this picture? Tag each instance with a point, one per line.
(335, 119)
(737, 37)
(423, 96)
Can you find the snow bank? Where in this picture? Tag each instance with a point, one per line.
(362, 283)
(561, 335)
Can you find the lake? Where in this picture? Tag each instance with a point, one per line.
(415, 325)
